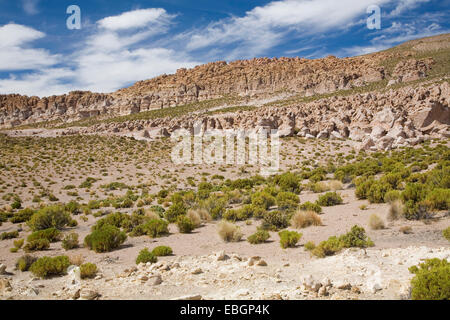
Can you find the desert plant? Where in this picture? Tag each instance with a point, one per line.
(9, 235)
(37, 245)
(258, 237)
(146, 256)
(262, 199)
(153, 228)
(195, 217)
(287, 201)
(309, 246)
(185, 224)
(375, 222)
(275, 220)
(49, 217)
(51, 234)
(229, 232)
(289, 239)
(24, 262)
(162, 251)
(431, 280)
(47, 266)
(70, 241)
(88, 270)
(303, 219)
(329, 199)
(175, 210)
(309, 206)
(22, 216)
(105, 239)
(395, 210)
(446, 233)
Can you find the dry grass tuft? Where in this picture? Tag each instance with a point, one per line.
(375, 222)
(395, 210)
(229, 232)
(303, 219)
(335, 185)
(76, 259)
(195, 217)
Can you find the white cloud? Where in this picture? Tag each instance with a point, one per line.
(110, 57)
(51, 81)
(135, 19)
(14, 55)
(404, 5)
(265, 27)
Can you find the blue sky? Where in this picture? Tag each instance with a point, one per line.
(121, 42)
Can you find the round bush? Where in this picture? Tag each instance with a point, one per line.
(146, 256)
(105, 239)
(162, 251)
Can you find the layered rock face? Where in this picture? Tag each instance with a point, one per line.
(376, 120)
(257, 77)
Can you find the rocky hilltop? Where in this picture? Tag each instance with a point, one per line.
(210, 81)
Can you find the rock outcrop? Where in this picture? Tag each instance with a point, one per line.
(249, 78)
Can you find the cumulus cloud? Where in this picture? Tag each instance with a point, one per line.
(14, 53)
(119, 51)
(136, 19)
(266, 26)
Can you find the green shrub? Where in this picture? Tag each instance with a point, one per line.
(262, 199)
(356, 237)
(377, 191)
(275, 220)
(146, 256)
(288, 182)
(287, 201)
(22, 216)
(258, 237)
(431, 280)
(309, 206)
(328, 247)
(329, 199)
(363, 186)
(185, 224)
(215, 206)
(309, 246)
(9, 235)
(70, 241)
(446, 233)
(175, 210)
(392, 195)
(439, 199)
(51, 234)
(24, 263)
(73, 207)
(105, 239)
(18, 243)
(37, 245)
(289, 239)
(153, 228)
(162, 251)
(88, 270)
(49, 217)
(240, 214)
(46, 266)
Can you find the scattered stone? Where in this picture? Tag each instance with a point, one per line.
(89, 294)
(2, 269)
